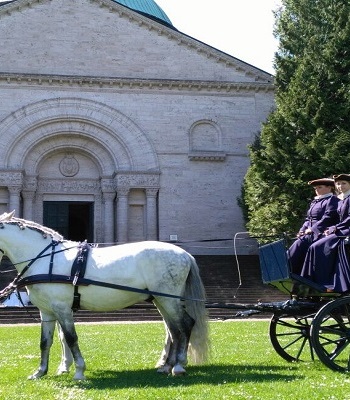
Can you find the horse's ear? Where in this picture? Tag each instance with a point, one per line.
(11, 214)
(7, 216)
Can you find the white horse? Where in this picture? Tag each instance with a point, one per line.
(161, 272)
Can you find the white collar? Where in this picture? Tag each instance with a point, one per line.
(323, 196)
(343, 196)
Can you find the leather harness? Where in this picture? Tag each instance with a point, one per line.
(76, 278)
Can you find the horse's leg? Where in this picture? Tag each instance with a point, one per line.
(179, 326)
(162, 366)
(47, 330)
(65, 319)
(67, 357)
(186, 325)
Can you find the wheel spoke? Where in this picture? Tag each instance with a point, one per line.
(291, 337)
(330, 334)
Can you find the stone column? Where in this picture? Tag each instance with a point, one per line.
(151, 214)
(39, 208)
(14, 200)
(28, 198)
(122, 214)
(108, 198)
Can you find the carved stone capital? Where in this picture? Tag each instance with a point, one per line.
(30, 183)
(123, 192)
(14, 190)
(151, 192)
(108, 196)
(28, 195)
(107, 185)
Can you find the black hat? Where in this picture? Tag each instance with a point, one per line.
(342, 177)
(323, 181)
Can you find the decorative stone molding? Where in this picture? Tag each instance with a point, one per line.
(68, 186)
(137, 180)
(69, 165)
(103, 83)
(10, 178)
(207, 156)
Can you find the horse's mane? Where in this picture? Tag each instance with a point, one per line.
(43, 230)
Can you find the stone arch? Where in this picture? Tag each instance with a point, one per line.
(30, 159)
(111, 136)
(205, 135)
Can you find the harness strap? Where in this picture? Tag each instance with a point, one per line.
(25, 269)
(53, 246)
(43, 278)
(78, 271)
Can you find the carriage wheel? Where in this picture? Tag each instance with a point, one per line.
(290, 337)
(330, 334)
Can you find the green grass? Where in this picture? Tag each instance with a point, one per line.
(121, 357)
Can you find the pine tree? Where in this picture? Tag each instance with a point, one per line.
(307, 136)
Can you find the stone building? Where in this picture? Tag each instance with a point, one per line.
(117, 127)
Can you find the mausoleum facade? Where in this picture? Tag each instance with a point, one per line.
(116, 127)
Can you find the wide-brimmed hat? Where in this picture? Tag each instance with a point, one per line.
(342, 177)
(323, 181)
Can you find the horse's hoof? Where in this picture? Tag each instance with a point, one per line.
(178, 370)
(164, 369)
(62, 372)
(37, 375)
(79, 377)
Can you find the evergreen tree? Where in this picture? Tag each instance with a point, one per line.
(307, 136)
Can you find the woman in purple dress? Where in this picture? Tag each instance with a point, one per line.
(326, 261)
(321, 215)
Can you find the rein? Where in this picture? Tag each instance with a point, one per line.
(14, 285)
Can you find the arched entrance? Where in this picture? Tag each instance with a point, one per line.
(82, 168)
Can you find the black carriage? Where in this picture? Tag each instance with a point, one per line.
(312, 321)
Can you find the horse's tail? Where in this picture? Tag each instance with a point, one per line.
(199, 341)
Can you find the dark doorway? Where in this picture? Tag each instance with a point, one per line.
(73, 220)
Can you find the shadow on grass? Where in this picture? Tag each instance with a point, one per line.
(211, 374)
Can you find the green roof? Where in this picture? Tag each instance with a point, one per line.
(147, 7)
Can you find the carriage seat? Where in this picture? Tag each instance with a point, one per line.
(276, 271)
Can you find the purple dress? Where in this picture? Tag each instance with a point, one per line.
(326, 261)
(321, 215)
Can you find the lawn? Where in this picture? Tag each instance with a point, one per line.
(121, 357)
